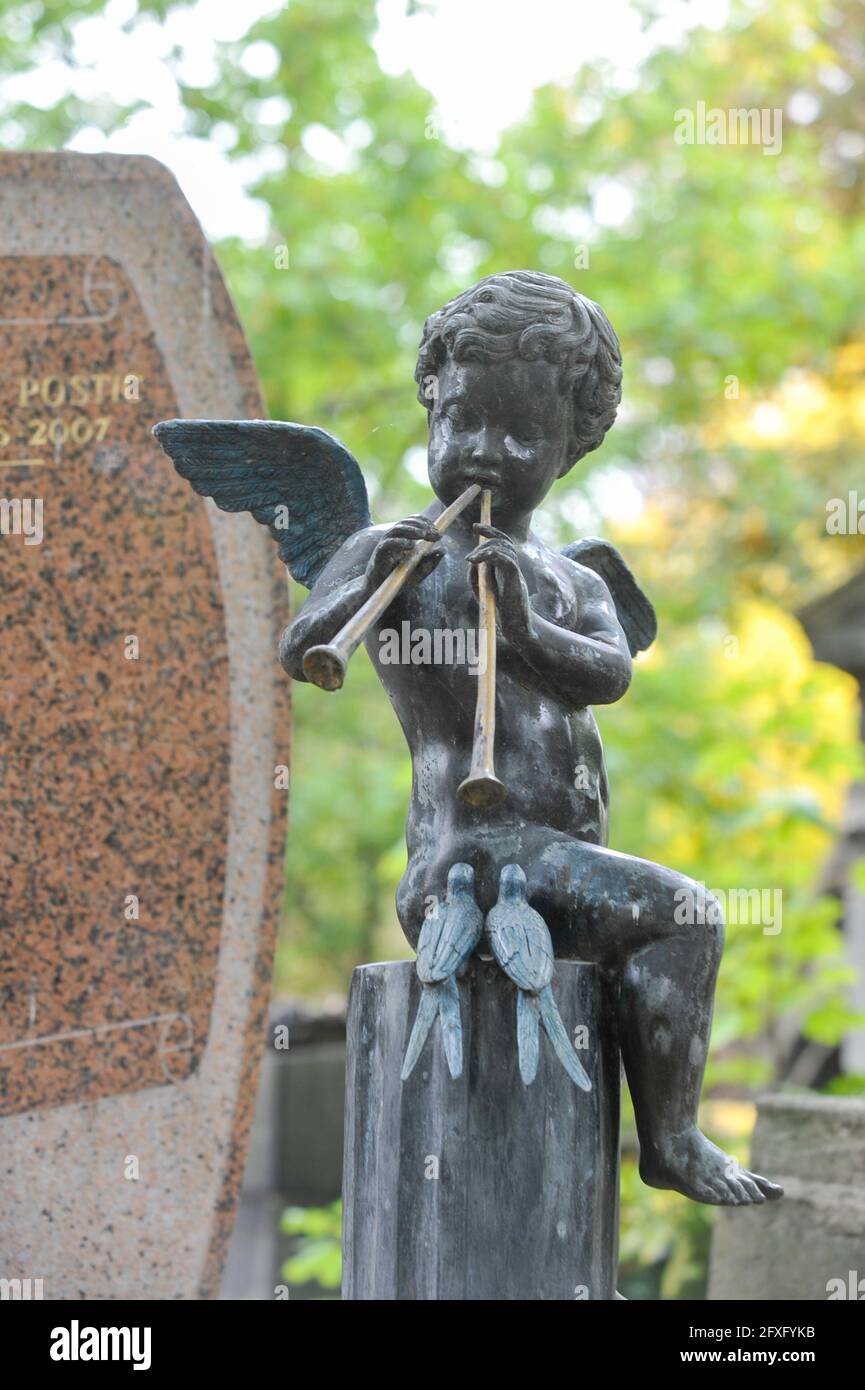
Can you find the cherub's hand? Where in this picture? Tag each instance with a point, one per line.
(397, 544)
(512, 596)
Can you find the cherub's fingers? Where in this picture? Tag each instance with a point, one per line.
(492, 585)
(397, 545)
(493, 547)
(429, 562)
(492, 553)
(423, 524)
(418, 528)
(496, 537)
(389, 553)
(482, 528)
(496, 581)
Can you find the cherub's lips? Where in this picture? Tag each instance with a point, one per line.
(485, 479)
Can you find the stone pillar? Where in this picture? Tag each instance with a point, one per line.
(850, 851)
(809, 1246)
(481, 1188)
(835, 625)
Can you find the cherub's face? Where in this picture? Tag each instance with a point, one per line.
(503, 424)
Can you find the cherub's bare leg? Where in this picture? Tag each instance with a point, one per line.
(664, 1021)
(628, 914)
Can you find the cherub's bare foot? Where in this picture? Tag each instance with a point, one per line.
(691, 1164)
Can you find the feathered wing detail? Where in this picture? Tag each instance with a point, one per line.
(557, 1034)
(427, 1013)
(532, 1011)
(522, 946)
(452, 1028)
(528, 1035)
(634, 611)
(439, 999)
(298, 481)
(520, 941)
(448, 937)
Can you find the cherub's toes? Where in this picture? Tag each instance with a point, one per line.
(771, 1190)
(752, 1191)
(736, 1194)
(717, 1193)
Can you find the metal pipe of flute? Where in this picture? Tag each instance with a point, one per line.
(482, 788)
(326, 665)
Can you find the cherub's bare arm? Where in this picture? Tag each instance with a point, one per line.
(338, 593)
(589, 665)
(348, 580)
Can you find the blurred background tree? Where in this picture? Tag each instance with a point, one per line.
(734, 278)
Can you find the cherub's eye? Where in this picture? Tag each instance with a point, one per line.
(460, 419)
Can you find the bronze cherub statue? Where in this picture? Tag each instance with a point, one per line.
(521, 377)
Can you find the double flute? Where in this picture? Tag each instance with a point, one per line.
(326, 665)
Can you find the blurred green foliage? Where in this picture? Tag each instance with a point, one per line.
(318, 1258)
(735, 284)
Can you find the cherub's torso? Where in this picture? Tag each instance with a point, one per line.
(550, 758)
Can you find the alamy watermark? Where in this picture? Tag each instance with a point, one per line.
(845, 516)
(77, 1343)
(22, 516)
(439, 646)
(20, 1290)
(753, 907)
(712, 125)
(850, 1288)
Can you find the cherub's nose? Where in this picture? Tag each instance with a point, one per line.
(487, 447)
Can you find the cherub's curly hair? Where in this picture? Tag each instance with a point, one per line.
(523, 313)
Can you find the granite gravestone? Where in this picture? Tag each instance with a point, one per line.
(142, 722)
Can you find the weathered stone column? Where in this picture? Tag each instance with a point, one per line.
(481, 1188)
(811, 1245)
